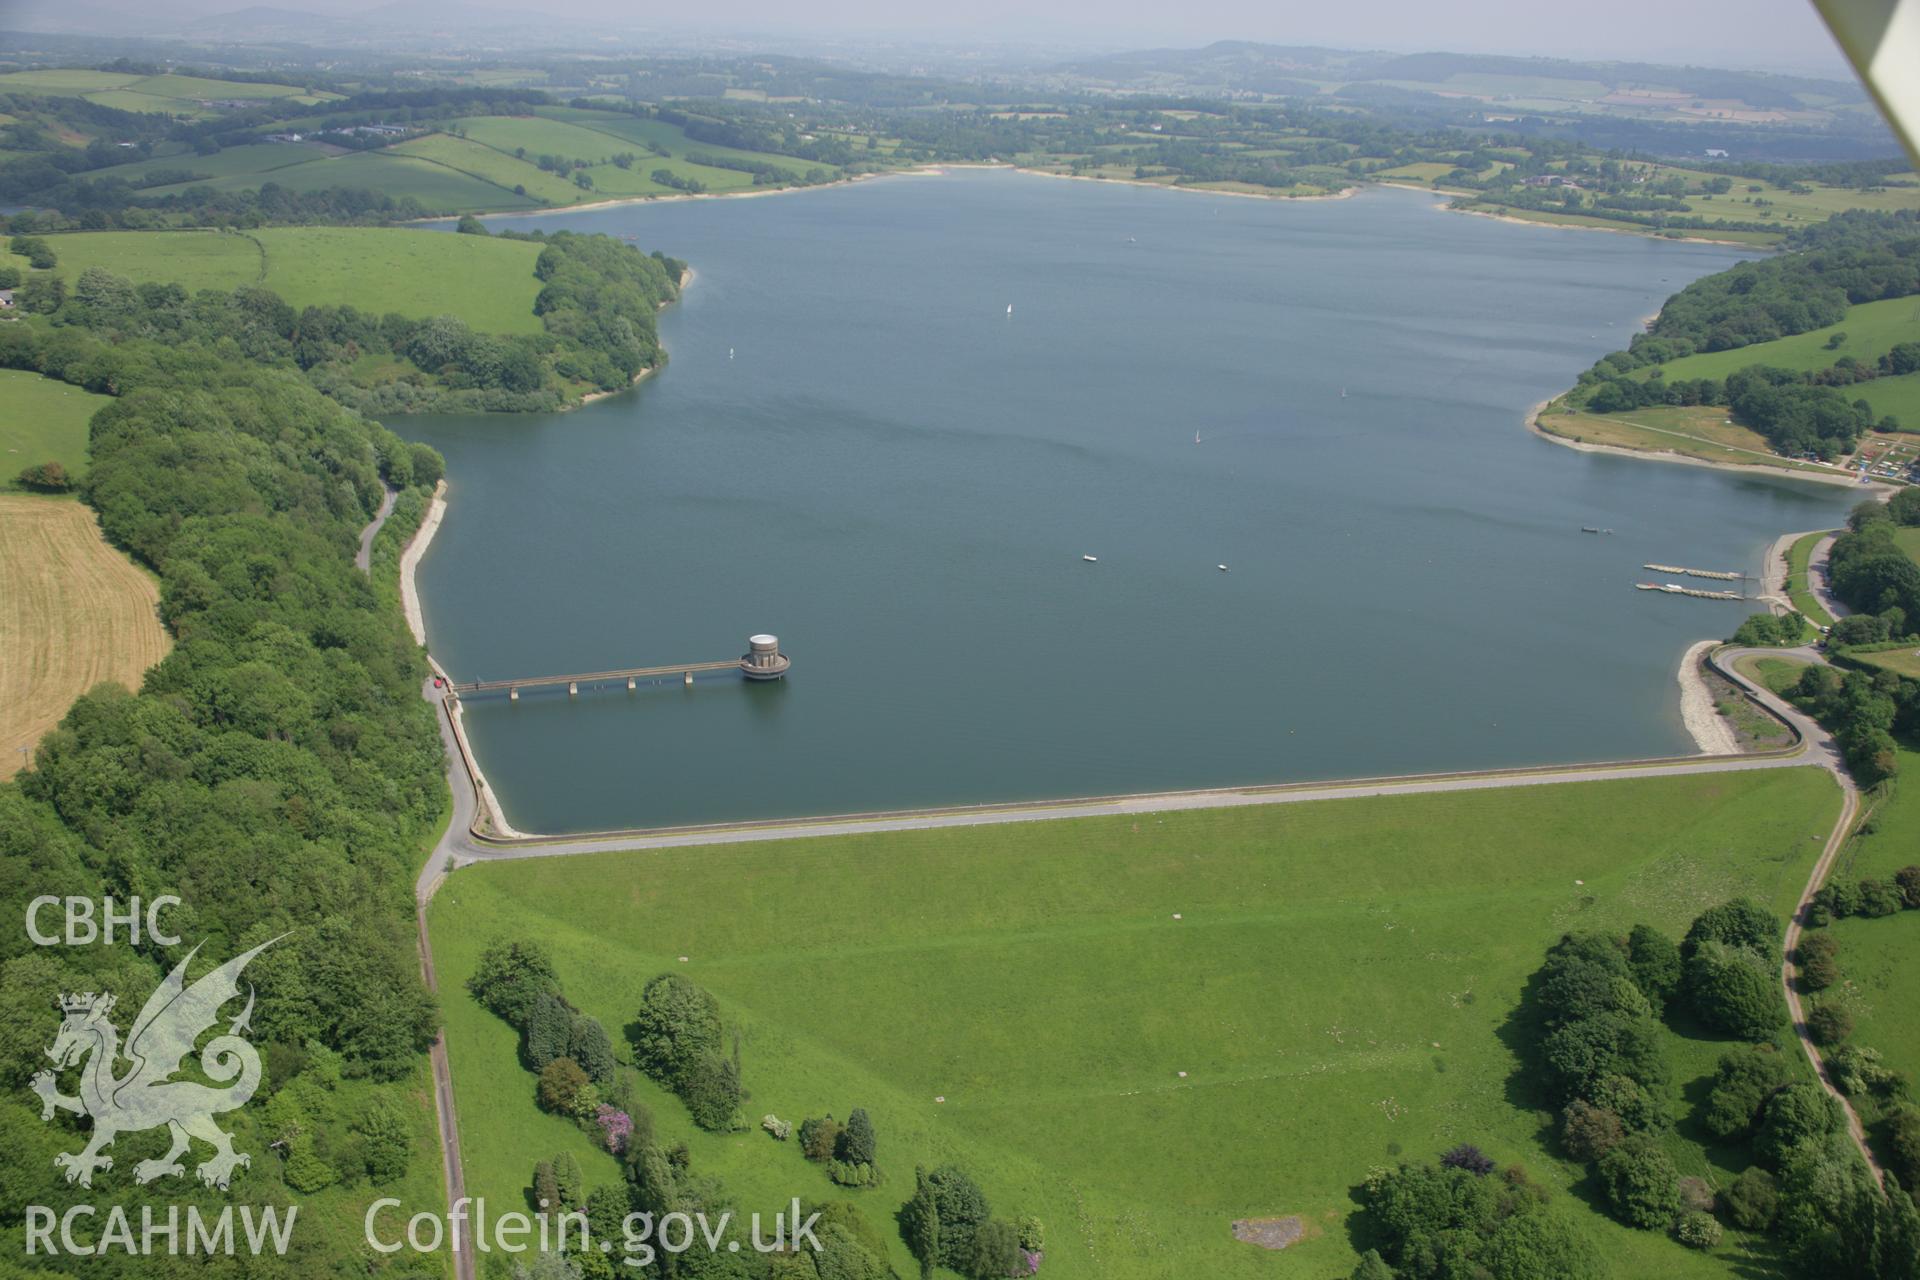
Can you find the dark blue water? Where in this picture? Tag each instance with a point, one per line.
(900, 480)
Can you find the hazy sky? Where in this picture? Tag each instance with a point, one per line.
(1701, 32)
(1783, 34)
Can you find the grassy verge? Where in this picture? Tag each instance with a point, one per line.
(1799, 588)
(1335, 980)
(1904, 661)
(1753, 729)
(1777, 674)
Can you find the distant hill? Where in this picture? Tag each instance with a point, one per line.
(1239, 66)
(457, 14)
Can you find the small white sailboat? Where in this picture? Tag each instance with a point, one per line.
(1009, 308)
(1196, 437)
(1343, 393)
(1091, 559)
(729, 353)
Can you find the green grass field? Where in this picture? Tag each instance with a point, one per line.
(1871, 329)
(263, 157)
(192, 259)
(43, 421)
(476, 173)
(164, 94)
(437, 188)
(488, 165)
(1426, 171)
(195, 87)
(1337, 990)
(583, 134)
(1896, 397)
(541, 136)
(64, 81)
(490, 283)
(1815, 205)
(1904, 661)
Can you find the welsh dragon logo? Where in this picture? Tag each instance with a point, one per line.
(144, 1097)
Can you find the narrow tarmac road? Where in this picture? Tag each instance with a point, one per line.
(1836, 841)
(363, 558)
(453, 1175)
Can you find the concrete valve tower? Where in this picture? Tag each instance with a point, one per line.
(763, 659)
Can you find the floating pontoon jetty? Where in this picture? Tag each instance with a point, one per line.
(1675, 589)
(1695, 573)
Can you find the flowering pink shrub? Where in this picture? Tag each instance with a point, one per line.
(615, 1125)
(1029, 1263)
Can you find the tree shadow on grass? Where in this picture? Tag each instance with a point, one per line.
(1527, 1087)
(1363, 1233)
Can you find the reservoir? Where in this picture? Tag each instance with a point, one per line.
(857, 446)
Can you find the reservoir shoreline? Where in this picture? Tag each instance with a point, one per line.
(734, 490)
(488, 810)
(938, 168)
(1873, 488)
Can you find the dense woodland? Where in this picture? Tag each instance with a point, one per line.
(278, 771)
(1873, 576)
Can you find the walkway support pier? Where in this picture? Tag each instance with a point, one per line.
(762, 661)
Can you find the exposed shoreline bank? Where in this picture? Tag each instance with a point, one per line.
(1444, 206)
(410, 560)
(935, 168)
(1873, 488)
(1343, 194)
(410, 556)
(1710, 730)
(616, 202)
(931, 169)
